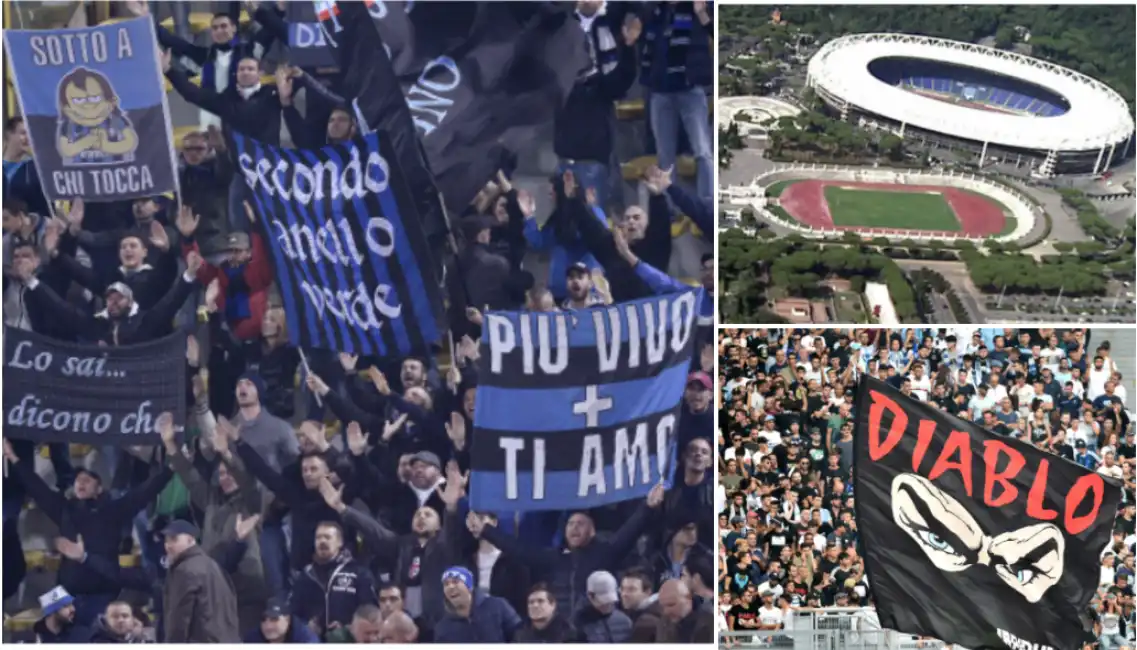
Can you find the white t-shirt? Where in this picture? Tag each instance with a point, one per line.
(1096, 379)
(921, 387)
(770, 616)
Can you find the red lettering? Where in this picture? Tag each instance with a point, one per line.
(1074, 498)
(1015, 463)
(924, 435)
(957, 442)
(1034, 507)
(880, 403)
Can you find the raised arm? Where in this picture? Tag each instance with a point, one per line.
(51, 502)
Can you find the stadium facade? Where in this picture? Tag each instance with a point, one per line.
(999, 105)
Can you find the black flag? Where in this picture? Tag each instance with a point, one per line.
(971, 537)
(478, 78)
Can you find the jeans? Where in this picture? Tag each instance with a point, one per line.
(687, 108)
(274, 557)
(1112, 641)
(152, 550)
(590, 175)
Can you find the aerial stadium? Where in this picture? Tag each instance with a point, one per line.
(1002, 106)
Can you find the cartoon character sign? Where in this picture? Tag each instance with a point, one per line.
(93, 129)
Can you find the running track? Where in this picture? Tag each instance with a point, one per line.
(978, 217)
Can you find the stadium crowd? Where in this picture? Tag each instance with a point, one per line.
(323, 500)
(787, 510)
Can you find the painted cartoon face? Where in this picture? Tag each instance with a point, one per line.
(87, 106)
(1030, 560)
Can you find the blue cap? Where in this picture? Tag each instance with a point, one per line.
(181, 527)
(459, 573)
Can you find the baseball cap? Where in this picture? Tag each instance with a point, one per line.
(276, 608)
(120, 288)
(602, 586)
(428, 457)
(181, 527)
(699, 377)
(577, 267)
(237, 240)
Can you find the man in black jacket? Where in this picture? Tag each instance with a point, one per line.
(123, 322)
(94, 515)
(58, 623)
(247, 106)
(334, 585)
(567, 570)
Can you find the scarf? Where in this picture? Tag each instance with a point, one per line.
(209, 70)
(664, 62)
(246, 93)
(236, 295)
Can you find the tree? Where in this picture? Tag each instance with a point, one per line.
(892, 146)
(1005, 37)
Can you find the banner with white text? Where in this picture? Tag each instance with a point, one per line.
(579, 409)
(94, 104)
(347, 246)
(56, 391)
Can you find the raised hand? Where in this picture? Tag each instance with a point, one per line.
(503, 182)
(468, 348)
(527, 203)
(71, 550)
(391, 428)
(348, 361)
(657, 180)
(197, 383)
(193, 351)
(51, 237)
(452, 493)
(137, 7)
(379, 380)
(158, 237)
(621, 241)
(356, 441)
(655, 497)
(226, 429)
(164, 59)
(456, 430)
(165, 426)
(246, 525)
(453, 378)
(187, 222)
(332, 496)
(215, 138)
(314, 432)
(76, 213)
(194, 262)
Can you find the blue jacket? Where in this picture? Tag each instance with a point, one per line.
(661, 283)
(298, 632)
(492, 620)
(560, 257)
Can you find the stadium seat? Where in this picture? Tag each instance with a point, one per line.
(199, 21)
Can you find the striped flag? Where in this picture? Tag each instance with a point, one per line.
(347, 245)
(579, 409)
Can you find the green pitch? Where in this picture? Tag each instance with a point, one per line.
(859, 208)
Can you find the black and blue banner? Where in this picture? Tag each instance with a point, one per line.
(579, 409)
(94, 104)
(347, 245)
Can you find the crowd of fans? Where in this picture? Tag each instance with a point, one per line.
(786, 428)
(324, 500)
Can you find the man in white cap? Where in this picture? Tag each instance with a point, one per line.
(598, 620)
(58, 622)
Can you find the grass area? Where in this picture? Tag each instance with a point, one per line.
(882, 209)
(777, 188)
(1009, 225)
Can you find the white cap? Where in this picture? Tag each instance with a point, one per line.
(54, 600)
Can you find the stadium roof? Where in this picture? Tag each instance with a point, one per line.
(1098, 116)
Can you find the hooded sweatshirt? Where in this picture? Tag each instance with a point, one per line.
(272, 438)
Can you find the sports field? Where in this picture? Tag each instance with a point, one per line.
(890, 207)
(854, 207)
